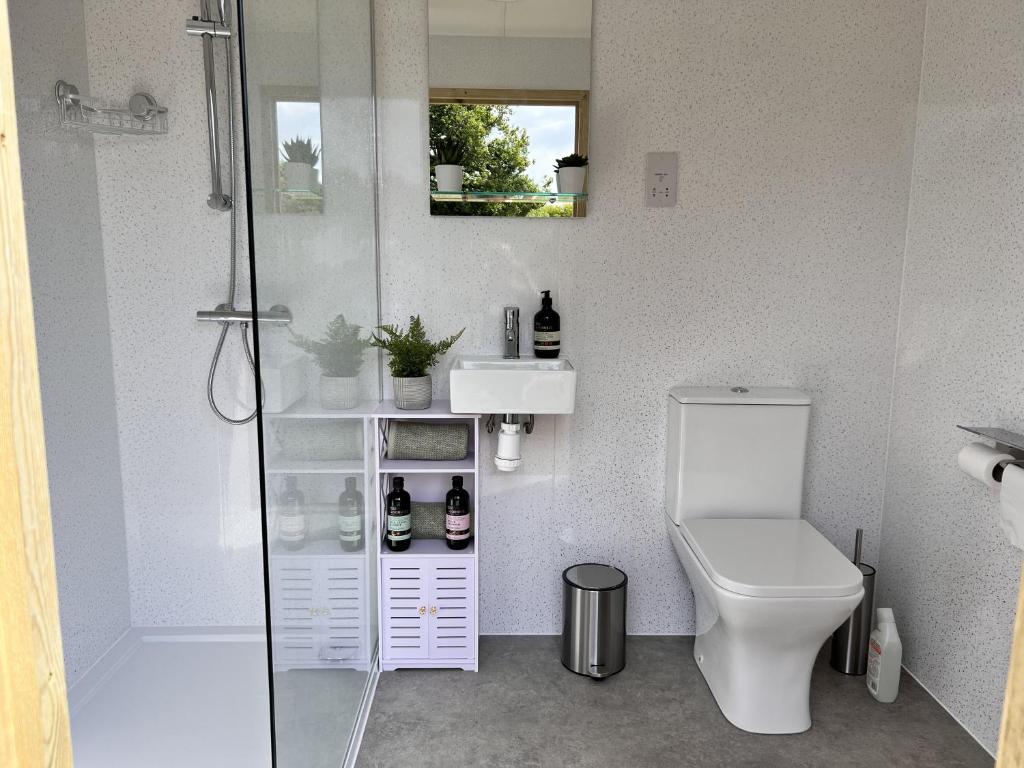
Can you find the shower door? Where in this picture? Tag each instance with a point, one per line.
(308, 84)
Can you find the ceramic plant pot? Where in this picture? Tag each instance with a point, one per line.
(449, 178)
(413, 394)
(339, 393)
(299, 176)
(571, 180)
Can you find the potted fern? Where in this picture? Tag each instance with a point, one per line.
(340, 356)
(411, 356)
(571, 173)
(448, 157)
(300, 156)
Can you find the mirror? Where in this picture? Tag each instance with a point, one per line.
(509, 97)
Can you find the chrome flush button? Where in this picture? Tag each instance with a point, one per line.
(739, 390)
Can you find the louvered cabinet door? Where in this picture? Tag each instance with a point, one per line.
(341, 588)
(404, 595)
(293, 602)
(452, 610)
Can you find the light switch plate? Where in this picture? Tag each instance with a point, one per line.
(661, 180)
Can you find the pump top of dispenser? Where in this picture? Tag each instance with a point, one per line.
(457, 481)
(350, 483)
(546, 300)
(398, 483)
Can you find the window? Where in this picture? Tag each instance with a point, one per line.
(511, 139)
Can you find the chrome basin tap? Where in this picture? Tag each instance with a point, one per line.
(511, 333)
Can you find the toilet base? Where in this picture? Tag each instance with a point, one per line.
(757, 653)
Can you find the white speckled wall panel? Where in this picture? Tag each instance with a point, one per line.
(463, 61)
(191, 491)
(72, 334)
(947, 568)
(794, 122)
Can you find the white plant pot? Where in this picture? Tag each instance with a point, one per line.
(339, 393)
(299, 176)
(413, 394)
(571, 180)
(449, 178)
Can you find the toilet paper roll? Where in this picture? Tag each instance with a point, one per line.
(979, 461)
(1011, 505)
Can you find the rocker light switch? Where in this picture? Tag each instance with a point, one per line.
(661, 179)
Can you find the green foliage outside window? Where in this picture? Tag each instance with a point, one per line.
(495, 157)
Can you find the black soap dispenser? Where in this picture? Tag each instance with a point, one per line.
(547, 335)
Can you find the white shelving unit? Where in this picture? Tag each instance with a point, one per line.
(428, 594)
(322, 597)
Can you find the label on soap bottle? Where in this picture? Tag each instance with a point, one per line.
(547, 339)
(456, 527)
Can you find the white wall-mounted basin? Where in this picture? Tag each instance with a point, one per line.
(528, 385)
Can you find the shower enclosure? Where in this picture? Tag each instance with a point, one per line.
(209, 485)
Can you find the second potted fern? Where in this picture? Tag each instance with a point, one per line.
(340, 356)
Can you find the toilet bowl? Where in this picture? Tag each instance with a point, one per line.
(768, 587)
(756, 651)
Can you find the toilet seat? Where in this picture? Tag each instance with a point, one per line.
(770, 557)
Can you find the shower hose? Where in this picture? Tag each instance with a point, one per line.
(233, 273)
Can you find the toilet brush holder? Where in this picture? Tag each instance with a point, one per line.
(850, 642)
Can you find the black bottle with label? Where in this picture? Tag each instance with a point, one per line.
(456, 520)
(350, 517)
(547, 329)
(399, 522)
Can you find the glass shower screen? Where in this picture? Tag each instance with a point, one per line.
(310, 130)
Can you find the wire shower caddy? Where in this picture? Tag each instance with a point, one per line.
(142, 116)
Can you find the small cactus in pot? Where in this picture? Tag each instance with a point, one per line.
(299, 157)
(447, 158)
(571, 173)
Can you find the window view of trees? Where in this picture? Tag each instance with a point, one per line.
(496, 156)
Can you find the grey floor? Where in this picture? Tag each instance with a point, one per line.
(524, 709)
(314, 713)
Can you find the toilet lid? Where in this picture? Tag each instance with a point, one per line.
(771, 558)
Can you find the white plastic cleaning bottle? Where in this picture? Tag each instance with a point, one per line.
(885, 652)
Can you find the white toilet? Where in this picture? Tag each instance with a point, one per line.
(769, 588)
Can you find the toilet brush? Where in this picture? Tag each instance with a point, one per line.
(850, 642)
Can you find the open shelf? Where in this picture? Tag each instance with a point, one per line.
(506, 197)
(439, 409)
(413, 467)
(429, 548)
(309, 408)
(317, 548)
(279, 466)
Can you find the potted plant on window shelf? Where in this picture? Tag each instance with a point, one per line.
(411, 356)
(300, 157)
(571, 173)
(340, 356)
(448, 157)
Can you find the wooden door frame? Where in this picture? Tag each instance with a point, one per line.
(1011, 736)
(34, 730)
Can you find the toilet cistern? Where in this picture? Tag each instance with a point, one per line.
(511, 333)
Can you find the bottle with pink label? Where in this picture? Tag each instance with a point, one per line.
(456, 521)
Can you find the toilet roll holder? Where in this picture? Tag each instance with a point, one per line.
(1006, 442)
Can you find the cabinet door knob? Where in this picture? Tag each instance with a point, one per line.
(433, 610)
(423, 610)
